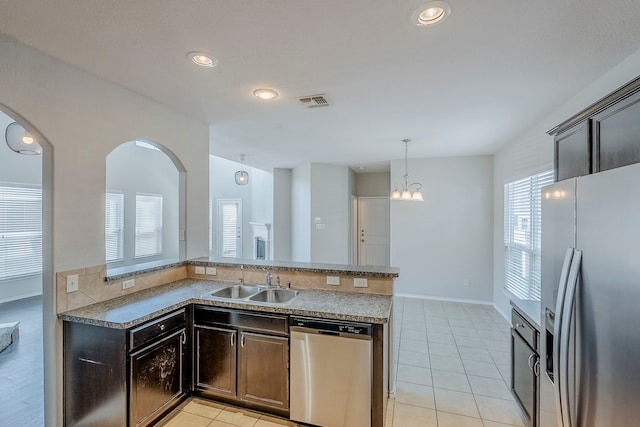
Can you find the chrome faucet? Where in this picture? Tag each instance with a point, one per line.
(268, 278)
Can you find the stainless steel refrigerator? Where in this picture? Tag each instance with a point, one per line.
(591, 301)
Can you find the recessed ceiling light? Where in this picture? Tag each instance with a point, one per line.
(202, 59)
(431, 13)
(265, 94)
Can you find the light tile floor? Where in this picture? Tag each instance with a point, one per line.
(452, 363)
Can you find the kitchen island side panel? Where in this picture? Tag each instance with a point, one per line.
(95, 392)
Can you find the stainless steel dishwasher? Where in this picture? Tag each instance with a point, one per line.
(331, 363)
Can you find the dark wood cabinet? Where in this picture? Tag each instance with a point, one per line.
(157, 378)
(573, 152)
(118, 377)
(603, 136)
(525, 368)
(264, 370)
(617, 134)
(215, 361)
(243, 358)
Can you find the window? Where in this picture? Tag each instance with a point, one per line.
(114, 227)
(230, 228)
(20, 230)
(148, 225)
(522, 230)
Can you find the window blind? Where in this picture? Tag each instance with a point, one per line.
(229, 213)
(114, 227)
(20, 230)
(148, 225)
(522, 232)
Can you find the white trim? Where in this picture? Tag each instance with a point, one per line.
(18, 297)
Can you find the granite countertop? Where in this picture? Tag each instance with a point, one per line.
(120, 273)
(136, 308)
(530, 310)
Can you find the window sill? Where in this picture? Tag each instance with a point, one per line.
(120, 273)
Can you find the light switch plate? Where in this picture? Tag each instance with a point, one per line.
(212, 271)
(360, 283)
(127, 284)
(199, 269)
(72, 283)
(333, 280)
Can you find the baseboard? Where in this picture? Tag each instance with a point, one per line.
(506, 316)
(17, 297)
(467, 301)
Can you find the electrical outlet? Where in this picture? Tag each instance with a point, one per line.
(212, 271)
(72, 283)
(126, 284)
(360, 283)
(466, 283)
(333, 280)
(199, 269)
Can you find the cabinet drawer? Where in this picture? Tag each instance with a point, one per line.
(157, 328)
(524, 329)
(242, 320)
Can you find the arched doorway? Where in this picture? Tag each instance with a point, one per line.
(26, 279)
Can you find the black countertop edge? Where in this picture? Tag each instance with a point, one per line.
(354, 270)
(528, 309)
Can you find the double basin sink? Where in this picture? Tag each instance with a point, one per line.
(256, 293)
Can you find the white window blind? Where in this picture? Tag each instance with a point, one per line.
(114, 227)
(522, 231)
(20, 230)
(148, 225)
(230, 220)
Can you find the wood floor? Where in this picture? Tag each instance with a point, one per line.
(21, 377)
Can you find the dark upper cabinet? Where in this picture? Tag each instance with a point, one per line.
(617, 134)
(604, 136)
(573, 152)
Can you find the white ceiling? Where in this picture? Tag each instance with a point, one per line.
(463, 87)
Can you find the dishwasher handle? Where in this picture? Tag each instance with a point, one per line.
(323, 332)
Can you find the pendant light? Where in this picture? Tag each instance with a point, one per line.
(21, 141)
(406, 194)
(242, 176)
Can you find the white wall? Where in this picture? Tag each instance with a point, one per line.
(331, 187)
(532, 152)
(281, 228)
(375, 184)
(301, 213)
(257, 197)
(439, 243)
(84, 118)
(132, 169)
(23, 169)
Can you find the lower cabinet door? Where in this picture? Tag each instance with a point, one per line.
(523, 378)
(215, 364)
(263, 372)
(157, 379)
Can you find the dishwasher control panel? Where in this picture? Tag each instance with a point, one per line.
(330, 326)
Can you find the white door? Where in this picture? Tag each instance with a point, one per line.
(230, 228)
(373, 231)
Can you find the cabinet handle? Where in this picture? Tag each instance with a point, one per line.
(536, 368)
(519, 325)
(530, 361)
(183, 338)
(162, 326)
(233, 339)
(242, 341)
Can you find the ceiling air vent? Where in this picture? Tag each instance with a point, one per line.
(314, 101)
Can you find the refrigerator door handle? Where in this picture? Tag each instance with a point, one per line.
(557, 332)
(567, 312)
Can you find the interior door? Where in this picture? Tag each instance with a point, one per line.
(373, 231)
(230, 228)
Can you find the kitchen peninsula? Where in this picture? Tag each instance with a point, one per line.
(129, 360)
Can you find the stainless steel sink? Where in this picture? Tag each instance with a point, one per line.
(278, 296)
(237, 291)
